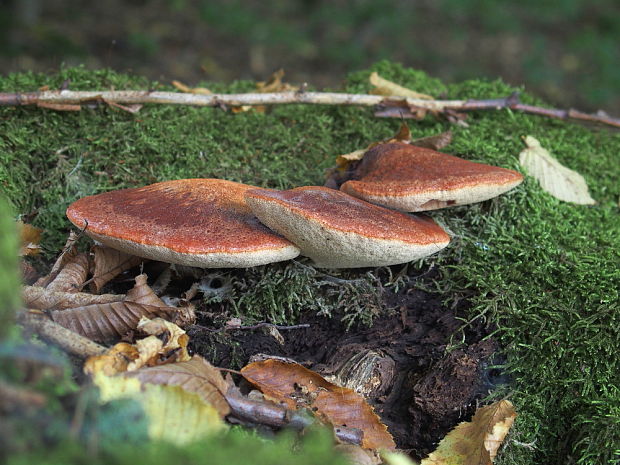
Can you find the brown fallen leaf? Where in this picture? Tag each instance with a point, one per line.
(475, 442)
(391, 89)
(434, 142)
(44, 299)
(297, 386)
(30, 239)
(273, 84)
(72, 276)
(108, 263)
(68, 251)
(110, 321)
(195, 375)
(558, 180)
(166, 343)
(191, 90)
(59, 106)
(183, 402)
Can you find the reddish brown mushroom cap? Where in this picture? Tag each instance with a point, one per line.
(340, 231)
(410, 178)
(197, 222)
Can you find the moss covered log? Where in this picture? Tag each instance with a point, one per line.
(544, 271)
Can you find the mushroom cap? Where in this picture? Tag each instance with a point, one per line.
(410, 178)
(340, 231)
(197, 222)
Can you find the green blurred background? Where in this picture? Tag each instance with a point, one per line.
(567, 51)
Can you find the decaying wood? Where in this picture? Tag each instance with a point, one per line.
(55, 334)
(387, 106)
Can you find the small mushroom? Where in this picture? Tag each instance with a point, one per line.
(197, 222)
(340, 231)
(410, 178)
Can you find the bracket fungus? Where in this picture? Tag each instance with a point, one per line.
(197, 222)
(339, 231)
(411, 178)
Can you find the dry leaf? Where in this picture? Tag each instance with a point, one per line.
(132, 108)
(114, 361)
(106, 322)
(275, 84)
(68, 252)
(475, 442)
(436, 142)
(561, 182)
(59, 106)
(174, 414)
(30, 239)
(191, 90)
(108, 263)
(297, 386)
(391, 89)
(72, 276)
(44, 299)
(195, 375)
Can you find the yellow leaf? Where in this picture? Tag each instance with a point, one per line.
(174, 414)
(475, 442)
(556, 179)
(391, 89)
(30, 238)
(191, 90)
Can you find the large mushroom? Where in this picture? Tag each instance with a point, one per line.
(411, 178)
(197, 222)
(340, 231)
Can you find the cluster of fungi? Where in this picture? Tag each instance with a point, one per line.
(213, 223)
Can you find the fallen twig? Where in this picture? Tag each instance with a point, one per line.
(251, 327)
(60, 336)
(386, 106)
(267, 413)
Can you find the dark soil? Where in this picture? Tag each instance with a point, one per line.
(420, 391)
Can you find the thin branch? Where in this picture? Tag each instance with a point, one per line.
(397, 107)
(60, 336)
(256, 326)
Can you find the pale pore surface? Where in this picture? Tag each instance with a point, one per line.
(330, 248)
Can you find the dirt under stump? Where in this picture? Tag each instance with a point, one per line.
(427, 391)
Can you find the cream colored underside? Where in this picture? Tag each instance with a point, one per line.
(435, 200)
(336, 249)
(208, 260)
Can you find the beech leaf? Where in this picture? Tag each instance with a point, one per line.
(111, 321)
(475, 442)
(297, 386)
(173, 413)
(108, 263)
(556, 179)
(72, 275)
(391, 89)
(44, 299)
(30, 239)
(68, 252)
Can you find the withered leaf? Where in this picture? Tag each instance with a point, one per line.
(196, 376)
(72, 276)
(68, 251)
(297, 386)
(30, 239)
(388, 88)
(59, 106)
(108, 263)
(115, 360)
(44, 299)
(275, 84)
(191, 90)
(560, 181)
(106, 322)
(475, 442)
(435, 142)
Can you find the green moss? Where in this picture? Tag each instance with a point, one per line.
(9, 278)
(546, 272)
